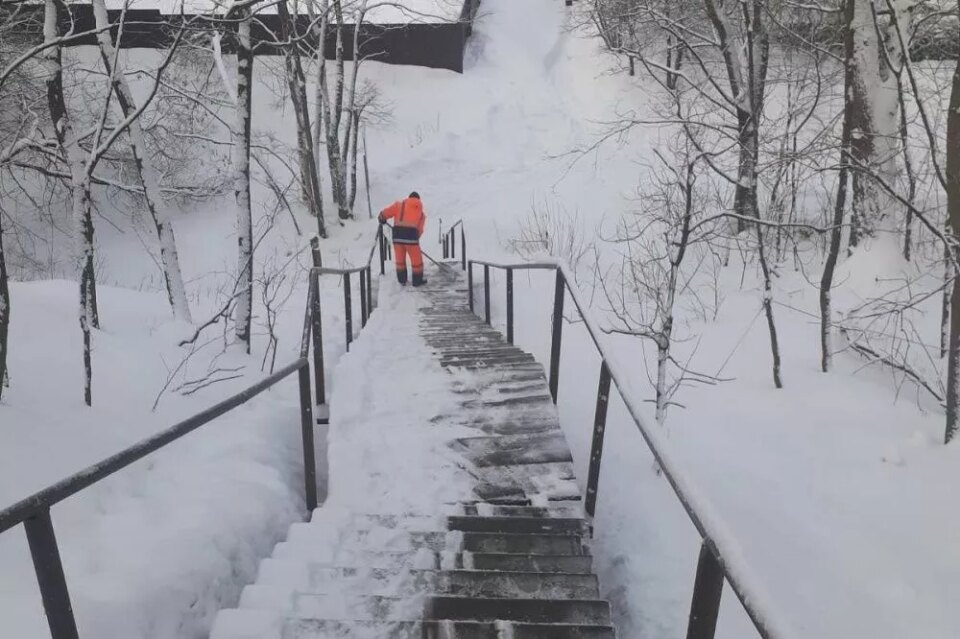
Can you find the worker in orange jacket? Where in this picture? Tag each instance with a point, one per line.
(408, 221)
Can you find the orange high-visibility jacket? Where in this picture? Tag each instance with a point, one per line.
(408, 220)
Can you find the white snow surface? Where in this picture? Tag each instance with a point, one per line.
(387, 454)
(835, 488)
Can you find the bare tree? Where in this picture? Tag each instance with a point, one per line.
(243, 313)
(297, 83)
(4, 312)
(80, 170)
(871, 108)
(156, 205)
(953, 213)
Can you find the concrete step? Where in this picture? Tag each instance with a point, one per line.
(511, 450)
(254, 624)
(309, 552)
(519, 525)
(277, 580)
(432, 608)
(528, 544)
(561, 511)
(573, 564)
(569, 611)
(400, 540)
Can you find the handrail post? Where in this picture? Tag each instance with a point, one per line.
(317, 328)
(370, 305)
(445, 242)
(315, 251)
(510, 305)
(707, 589)
(306, 429)
(486, 293)
(383, 240)
(347, 309)
(556, 333)
(596, 450)
(49, 569)
(470, 285)
(463, 247)
(453, 244)
(363, 299)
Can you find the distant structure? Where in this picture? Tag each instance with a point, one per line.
(434, 42)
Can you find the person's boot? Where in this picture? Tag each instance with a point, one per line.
(419, 279)
(402, 277)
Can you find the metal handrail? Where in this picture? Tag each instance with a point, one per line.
(720, 555)
(33, 512)
(448, 240)
(54, 494)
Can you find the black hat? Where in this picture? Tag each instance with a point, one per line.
(415, 194)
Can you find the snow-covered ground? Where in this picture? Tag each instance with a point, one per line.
(835, 486)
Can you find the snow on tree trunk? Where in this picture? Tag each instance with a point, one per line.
(745, 54)
(836, 233)
(353, 161)
(953, 213)
(4, 313)
(296, 80)
(351, 139)
(156, 206)
(872, 104)
(333, 122)
(330, 109)
(320, 94)
(81, 203)
(241, 182)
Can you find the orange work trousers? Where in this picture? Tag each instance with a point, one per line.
(400, 253)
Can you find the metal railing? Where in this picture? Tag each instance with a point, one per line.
(720, 556)
(34, 511)
(382, 248)
(448, 239)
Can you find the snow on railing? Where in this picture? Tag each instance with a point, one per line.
(721, 555)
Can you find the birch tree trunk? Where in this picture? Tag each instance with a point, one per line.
(351, 140)
(296, 80)
(953, 213)
(241, 183)
(156, 206)
(334, 118)
(4, 313)
(745, 59)
(872, 107)
(81, 204)
(839, 207)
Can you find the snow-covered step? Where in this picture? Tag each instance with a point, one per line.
(343, 606)
(399, 540)
(568, 611)
(311, 552)
(553, 511)
(511, 560)
(253, 624)
(519, 525)
(582, 564)
(282, 582)
(379, 608)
